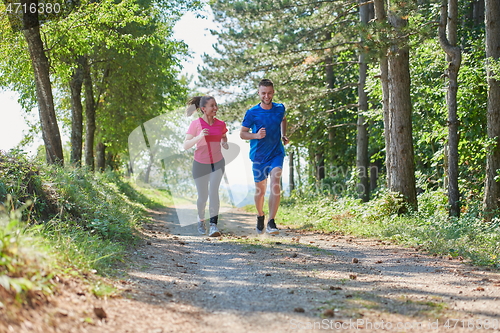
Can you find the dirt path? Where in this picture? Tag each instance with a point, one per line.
(294, 282)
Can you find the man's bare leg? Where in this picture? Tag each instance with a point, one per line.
(275, 196)
(260, 191)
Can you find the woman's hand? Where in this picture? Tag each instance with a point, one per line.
(204, 132)
(225, 145)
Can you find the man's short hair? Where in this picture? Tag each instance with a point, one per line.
(266, 83)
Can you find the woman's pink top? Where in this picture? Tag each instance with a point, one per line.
(208, 149)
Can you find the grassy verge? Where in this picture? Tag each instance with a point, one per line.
(63, 222)
(430, 229)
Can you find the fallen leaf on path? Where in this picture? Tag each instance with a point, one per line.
(299, 310)
(100, 313)
(328, 313)
(62, 312)
(355, 260)
(353, 276)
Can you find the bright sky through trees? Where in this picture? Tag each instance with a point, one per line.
(193, 30)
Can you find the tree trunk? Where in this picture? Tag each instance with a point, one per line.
(90, 108)
(291, 178)
(381, 17)
(299, 170)
(449, 17)
(320, 166)
(402, 166)
(478, 11)
(362, 159)
(50, 130)
(374, 170)
(76, 113)
(111, 161)
(492, 186)
(101, 156)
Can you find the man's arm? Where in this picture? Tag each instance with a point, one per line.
(283, 131)
(246, 135)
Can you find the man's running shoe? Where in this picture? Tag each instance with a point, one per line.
(271, 228)
(201, 227)
(260, 224)
(214, 232)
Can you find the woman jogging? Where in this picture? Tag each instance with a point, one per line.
(207, 133)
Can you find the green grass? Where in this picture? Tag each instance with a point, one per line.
(63, 221)
(430, 229)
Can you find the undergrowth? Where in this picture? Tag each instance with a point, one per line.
(428, 229)
(62, 221)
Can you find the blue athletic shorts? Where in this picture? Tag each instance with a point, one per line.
(261, 170)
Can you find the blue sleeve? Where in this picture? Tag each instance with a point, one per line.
(247, 120)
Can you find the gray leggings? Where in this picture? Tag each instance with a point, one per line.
(207, 178)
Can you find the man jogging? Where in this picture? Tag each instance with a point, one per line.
(268, 124)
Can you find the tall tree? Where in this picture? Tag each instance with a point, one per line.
(448, 38)
(492, 186)
(75, 84)
(90, 109)
(362, 158)
(30, 26)
(400, 151)
(381, 19)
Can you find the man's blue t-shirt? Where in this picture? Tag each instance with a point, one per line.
(262, 150)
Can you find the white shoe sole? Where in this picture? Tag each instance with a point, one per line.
(273, 232)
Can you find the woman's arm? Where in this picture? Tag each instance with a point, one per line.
(224, 142)
(191, 140)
